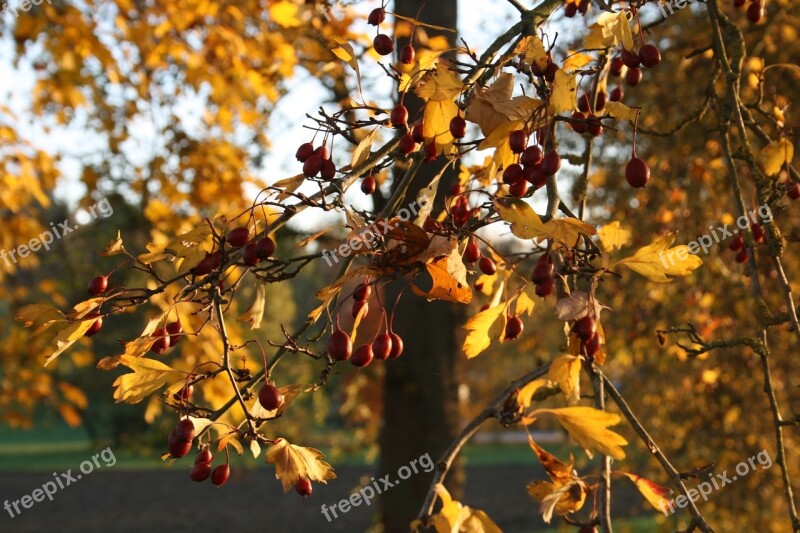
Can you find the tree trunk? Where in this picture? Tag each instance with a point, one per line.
(421, 388)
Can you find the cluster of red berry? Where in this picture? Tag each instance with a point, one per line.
(737, 244)
(578, 6)
(316, 161)
(201, 470)
(543, 276)
(586, 330)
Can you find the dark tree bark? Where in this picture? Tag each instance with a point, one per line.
(421, 388)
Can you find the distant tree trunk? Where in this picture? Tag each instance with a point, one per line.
(421, 388)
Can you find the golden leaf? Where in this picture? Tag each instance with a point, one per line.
(455, 517)
(657, 495)
(115, 247)
(613, 236)
(439, 85)
(776, 154)
(559, 498)
(67, 336)
(148, 376)
(657, 260)
(284, 14)
(295, 462)
(436, 124)
(575, 61)
(588, 427)
(362, 151)
(480, 330)
(555, 469)
(30, 314)
(566, 370)
(564, 93)
(620, 111)
(449, 277)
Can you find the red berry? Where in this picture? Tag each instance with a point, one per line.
(397, 346)
(518, 141)
(362, 356)
(630, 59)
(180, 438)
(185, 393)
(376, 16)
(265, 247)
(585, 328)
(417, 133)
(312, 165)
(550, 72)
(536, 177)
(579, 125)
(174, 330)
(98, 285)
(362, 292)
(633, 77)
(304, 152)
(583, 103)
(592, 346)
(358, 306)
(303, 487)
(543, 271)
(185, 429)
(512, 173)
(203, 456)
(551, 163)
(650, 56)
(570, 10)
(328, 169)
(94, 328)
(513, 328)
(407, 54)
(207, 264)
(755, 12)
(518, 189)
(758, 232)
(617, 94)
(583, 7)
(616, 66)
(161, 344)
(339, 345)
(270, 397)
(600, 102)
(250, 257)
(637, 172)
(545, 289)
(382, 346)
(323, 152)
(200, 472)
(383, 44)
(531, 156)
(431, 152)
(458, 127)
(793, 192)
(741, 255)
(407, 144)
(472, 253)
(399, 116)
(739, 3)
(238, 237)
(487, 266)
(736, 243)
(368, 186)
(595, 126)
(220, 475)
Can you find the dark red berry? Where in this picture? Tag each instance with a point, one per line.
(518, 141)
(579, 123)
(303, 487)
(431, 152)
(585, 328)
(185, 393)
(220, 475)
(362, 356)
(203, 457)
(650, 56)
(637, 172)
(407, 54)
(94, 328)
(238, 237)
(265, 247)
(98, 285)
(328, 169)
(616, 66)
(755, 12)
(383, 44)
(793, 192)
(741, 255)
(551, 163)
(592, 346)
(570, 10)
(376, 16)
(543, 271)
(758, 232)
(518, 189)
(382, 346)
(174, 330)
(739, 3)
(207, 264)
(304, 152)
(270, 397)
(600, 102)
(399, 116)
(417, 133)
(407, 144)
(630, 59)
(472, 252)
(736, 243)
(583, 103)
(633, 77)
(339, 345)
(161, 344)
(312, 165)
(250, 257)
(458, 127)
(185, 429)
(397, 346)
(531, 156)
(616, 94)
(487, 266)
(550, 72)
(513, 328)
(595, 126)
(545, 289)
(200, 472)
(368, 185)
(512, 173)
(323, 152)
(358, 306)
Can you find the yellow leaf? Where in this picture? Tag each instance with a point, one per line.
(295, 462)
(30, 314)
(449, 277)
(576, 61)
(613, 236)
(563, 97)
(776, 154)
(555, 469)
(436, 124)
(525, 394)
(499, 139)
(588, 426)
(620, 111)
(559, 498)
(525, 303)
(657, 495)
(148, 376)
(255, 313)
(525, 223)
(533, 48)
(480, 331)
(566, 370)
(362, 151)
(114, 247)
(439, 85)
(345, 52)
(457, 518)
(284, 14)
(492, 107)
(657, 261)
(67, 337)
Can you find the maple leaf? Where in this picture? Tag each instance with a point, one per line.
(588, 426)
(481, 328)
(564, 94)
(295, 462)
(655, 494)
(526, 224)
(449, 277)
(657, 261)
(436, 124)
(620, 111)
(494, 106)
(439, 85)
(565, 370)
(148, 376)
(455, 517)
(114, 247)
(613, 236)
(775, 155)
